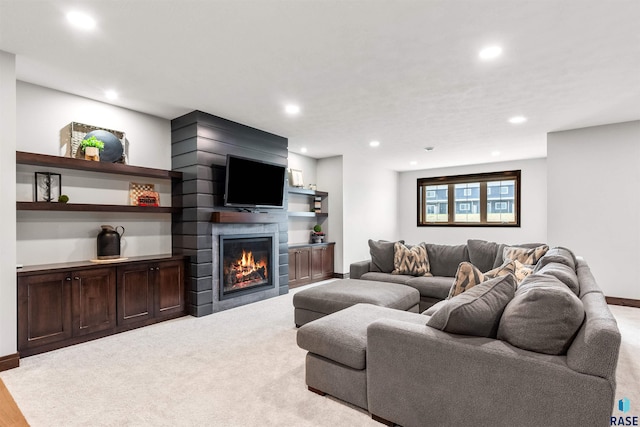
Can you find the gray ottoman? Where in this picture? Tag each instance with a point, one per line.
(314, 303)
(337, 350)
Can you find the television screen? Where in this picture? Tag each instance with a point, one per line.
(253, 183)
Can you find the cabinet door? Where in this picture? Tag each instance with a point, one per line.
(135, 293)
(327, 262)
(44, 309)
(169, 288)
(300, 260)
(322, 259)
(93, 300)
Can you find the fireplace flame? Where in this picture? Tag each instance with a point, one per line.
(248, 270)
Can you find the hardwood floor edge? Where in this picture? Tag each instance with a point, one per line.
(623, 301)
(10, 413)
(9, 362)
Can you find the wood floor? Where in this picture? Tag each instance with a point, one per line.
(10, 415)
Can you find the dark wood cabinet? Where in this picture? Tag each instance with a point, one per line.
(150, 290)
(61, 305)
(310, 263)
(299, 266)
(321, 262)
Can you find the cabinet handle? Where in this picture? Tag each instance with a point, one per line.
(151, 269)
(76, 278)
(157, 268)
(68, 279)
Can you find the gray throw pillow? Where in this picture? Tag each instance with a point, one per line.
(444, 259)
(543, 316)
(381, 255)
(477, 311)
(435, 307)
(559, 255)
(482, 254)
(564, 273)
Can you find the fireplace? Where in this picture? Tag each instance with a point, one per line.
(246, 264)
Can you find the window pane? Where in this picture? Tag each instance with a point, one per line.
(467, 202)
(501, 201)
(437, 203)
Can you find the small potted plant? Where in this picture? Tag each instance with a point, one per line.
(92, 147)
(317, 235)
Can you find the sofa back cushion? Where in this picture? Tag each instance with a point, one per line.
(562, 272)
(381, 255)
(543, 316)
(444, 259)
(559, 255)
(482, 254)
(477, 311)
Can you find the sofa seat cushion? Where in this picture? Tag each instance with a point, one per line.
(476, 311)
(342, 336)
(338, 295)
(401, 279)
(543, 316)
(433, 287)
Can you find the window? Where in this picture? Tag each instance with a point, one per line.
(491, 199)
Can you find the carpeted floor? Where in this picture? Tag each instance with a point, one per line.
(240, 367)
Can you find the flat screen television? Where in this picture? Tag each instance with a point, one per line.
(253, 183)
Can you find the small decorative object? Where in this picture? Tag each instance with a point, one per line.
(143, 195)
(313, 187)
(92, 147)
(317, 235)
(109, 242)
(116, 145)
(295, 178)
(47, 186)
(63, 198)
(317, 204)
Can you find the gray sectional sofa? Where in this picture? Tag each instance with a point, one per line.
(540, 352)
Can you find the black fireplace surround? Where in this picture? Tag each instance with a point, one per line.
(246, 264)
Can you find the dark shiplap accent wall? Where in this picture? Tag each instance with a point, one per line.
(200, 143)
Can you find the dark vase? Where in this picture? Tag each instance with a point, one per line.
(109, 242)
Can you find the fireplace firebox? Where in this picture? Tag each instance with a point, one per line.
(246, 264)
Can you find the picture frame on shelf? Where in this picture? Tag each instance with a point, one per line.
(295, 178)
(48, 186)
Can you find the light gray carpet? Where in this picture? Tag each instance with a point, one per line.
(240, 367)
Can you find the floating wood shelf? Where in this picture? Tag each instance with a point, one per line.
(228, 217)
(82, 207)
(295, 190)
(86, 165)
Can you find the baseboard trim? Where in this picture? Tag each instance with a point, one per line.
(623, 301)
(9, 362)
(340, 275)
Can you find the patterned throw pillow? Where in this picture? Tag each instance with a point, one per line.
(469, 275)
(524, 255)
(412, 261)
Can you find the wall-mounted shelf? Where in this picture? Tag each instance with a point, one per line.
(82, 207)
(308, 214)
(86, 165)
(296, 190)
(315, 197)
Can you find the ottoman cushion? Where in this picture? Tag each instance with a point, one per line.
(344, 293)
(342, 336)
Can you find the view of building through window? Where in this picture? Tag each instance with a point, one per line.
(484, 199)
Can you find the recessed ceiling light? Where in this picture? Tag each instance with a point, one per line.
(413, 163)
(374, 143)
(517, 120)
(495, 153)
(111, 94)
(429, 148)
(303, 150)
(490, 52)
(292, 109)
(81, 20)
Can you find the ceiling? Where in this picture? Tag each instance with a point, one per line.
(405, 73)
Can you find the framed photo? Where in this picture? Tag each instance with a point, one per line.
(48, 186)
(295, 180)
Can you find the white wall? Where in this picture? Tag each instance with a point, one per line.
(370, 203)
(8, 307)
(593, 203)
(330, 179)
(300, 227)
(533, 219)
(41, 114)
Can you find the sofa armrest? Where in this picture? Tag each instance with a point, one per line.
(418, 375)
(357, 269)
